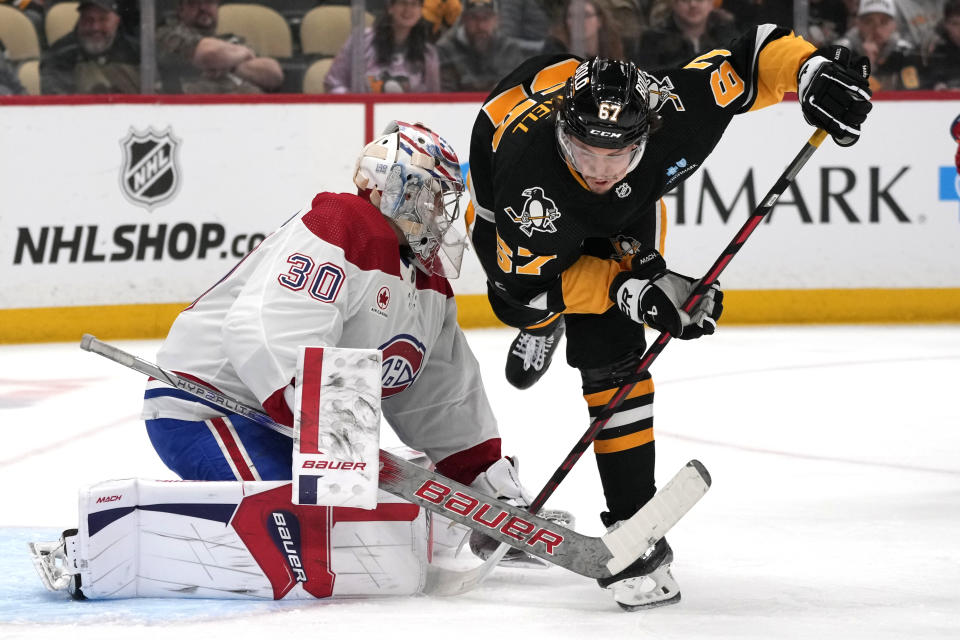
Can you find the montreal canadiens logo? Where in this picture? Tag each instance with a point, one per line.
(402, 359)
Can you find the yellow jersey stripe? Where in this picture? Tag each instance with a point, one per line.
(601, 398)
(629, 441)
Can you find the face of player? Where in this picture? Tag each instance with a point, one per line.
(96, 29)
(199, 14)
(692, 12)
(405, 13)
(480, 27)
(601, 168)
(876, 27)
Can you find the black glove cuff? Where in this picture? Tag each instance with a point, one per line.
(647, 263)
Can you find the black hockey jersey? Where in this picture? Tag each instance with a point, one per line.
(547, 243)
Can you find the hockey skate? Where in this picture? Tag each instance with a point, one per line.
(530, 354)
(55, 562)
(647, 583)
(502, 481)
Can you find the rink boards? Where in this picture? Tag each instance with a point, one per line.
(114, 215)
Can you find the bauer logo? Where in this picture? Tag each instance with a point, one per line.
(284, 529)
(949, 184)
(402, 358)
(150, 173)
(489, 515)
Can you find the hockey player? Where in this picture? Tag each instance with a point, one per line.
(955, 132)
(569, 160)
(365, 271)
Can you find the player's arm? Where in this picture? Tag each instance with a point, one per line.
(766, 62)
(296, 297)
(446, 406)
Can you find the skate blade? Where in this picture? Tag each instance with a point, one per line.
(651, 605)
(44, 561)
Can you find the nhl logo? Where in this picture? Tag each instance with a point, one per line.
(623, 190)
(150, 173)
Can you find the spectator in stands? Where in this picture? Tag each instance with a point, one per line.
(9, 83)
(747, 13)
(894, 59)
(828, 21)
(600, 34)
(691, 27)
(526, 23)
(943, 60)
(192, 58)
(630, 16)
(398, 54)
(95, 58)
(33, 9)
(918, 20)
(475, 56)
(442, 15)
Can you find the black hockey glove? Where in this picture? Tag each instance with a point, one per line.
(834, 92)
(652, 294)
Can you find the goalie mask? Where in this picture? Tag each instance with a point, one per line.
(413, 177)
(606, 104)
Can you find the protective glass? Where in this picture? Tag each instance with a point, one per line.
(601, 166)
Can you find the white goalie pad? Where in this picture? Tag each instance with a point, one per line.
(336, 447)
(147, 538)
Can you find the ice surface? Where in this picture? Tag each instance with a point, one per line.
(834, 512)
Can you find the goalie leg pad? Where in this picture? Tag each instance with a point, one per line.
(336, 449)
(143, 538)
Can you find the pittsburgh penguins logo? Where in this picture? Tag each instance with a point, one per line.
(538, 213)
(623, 247)
(661, 92)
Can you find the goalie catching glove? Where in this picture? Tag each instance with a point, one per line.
(652, 294)
(835, 93)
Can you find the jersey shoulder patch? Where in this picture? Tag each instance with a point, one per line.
(354, 225)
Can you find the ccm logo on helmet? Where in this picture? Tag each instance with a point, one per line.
(605, 134)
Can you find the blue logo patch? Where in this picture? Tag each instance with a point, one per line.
(677, 166)
(949, 185)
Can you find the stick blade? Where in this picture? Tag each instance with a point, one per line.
(628, 541)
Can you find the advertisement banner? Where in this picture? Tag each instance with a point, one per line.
(123, 206)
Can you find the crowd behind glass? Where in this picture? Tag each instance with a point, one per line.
(207, 46)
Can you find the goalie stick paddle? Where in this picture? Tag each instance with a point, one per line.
(480, 573)
(595, 557)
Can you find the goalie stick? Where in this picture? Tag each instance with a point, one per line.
(479, 574)
(595, 557)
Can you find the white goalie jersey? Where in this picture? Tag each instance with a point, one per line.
(333, 275)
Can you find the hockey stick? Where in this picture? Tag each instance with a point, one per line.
(595, 557)
(480, 573)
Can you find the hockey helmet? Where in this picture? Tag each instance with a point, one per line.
(413, 176)
(606, 104)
